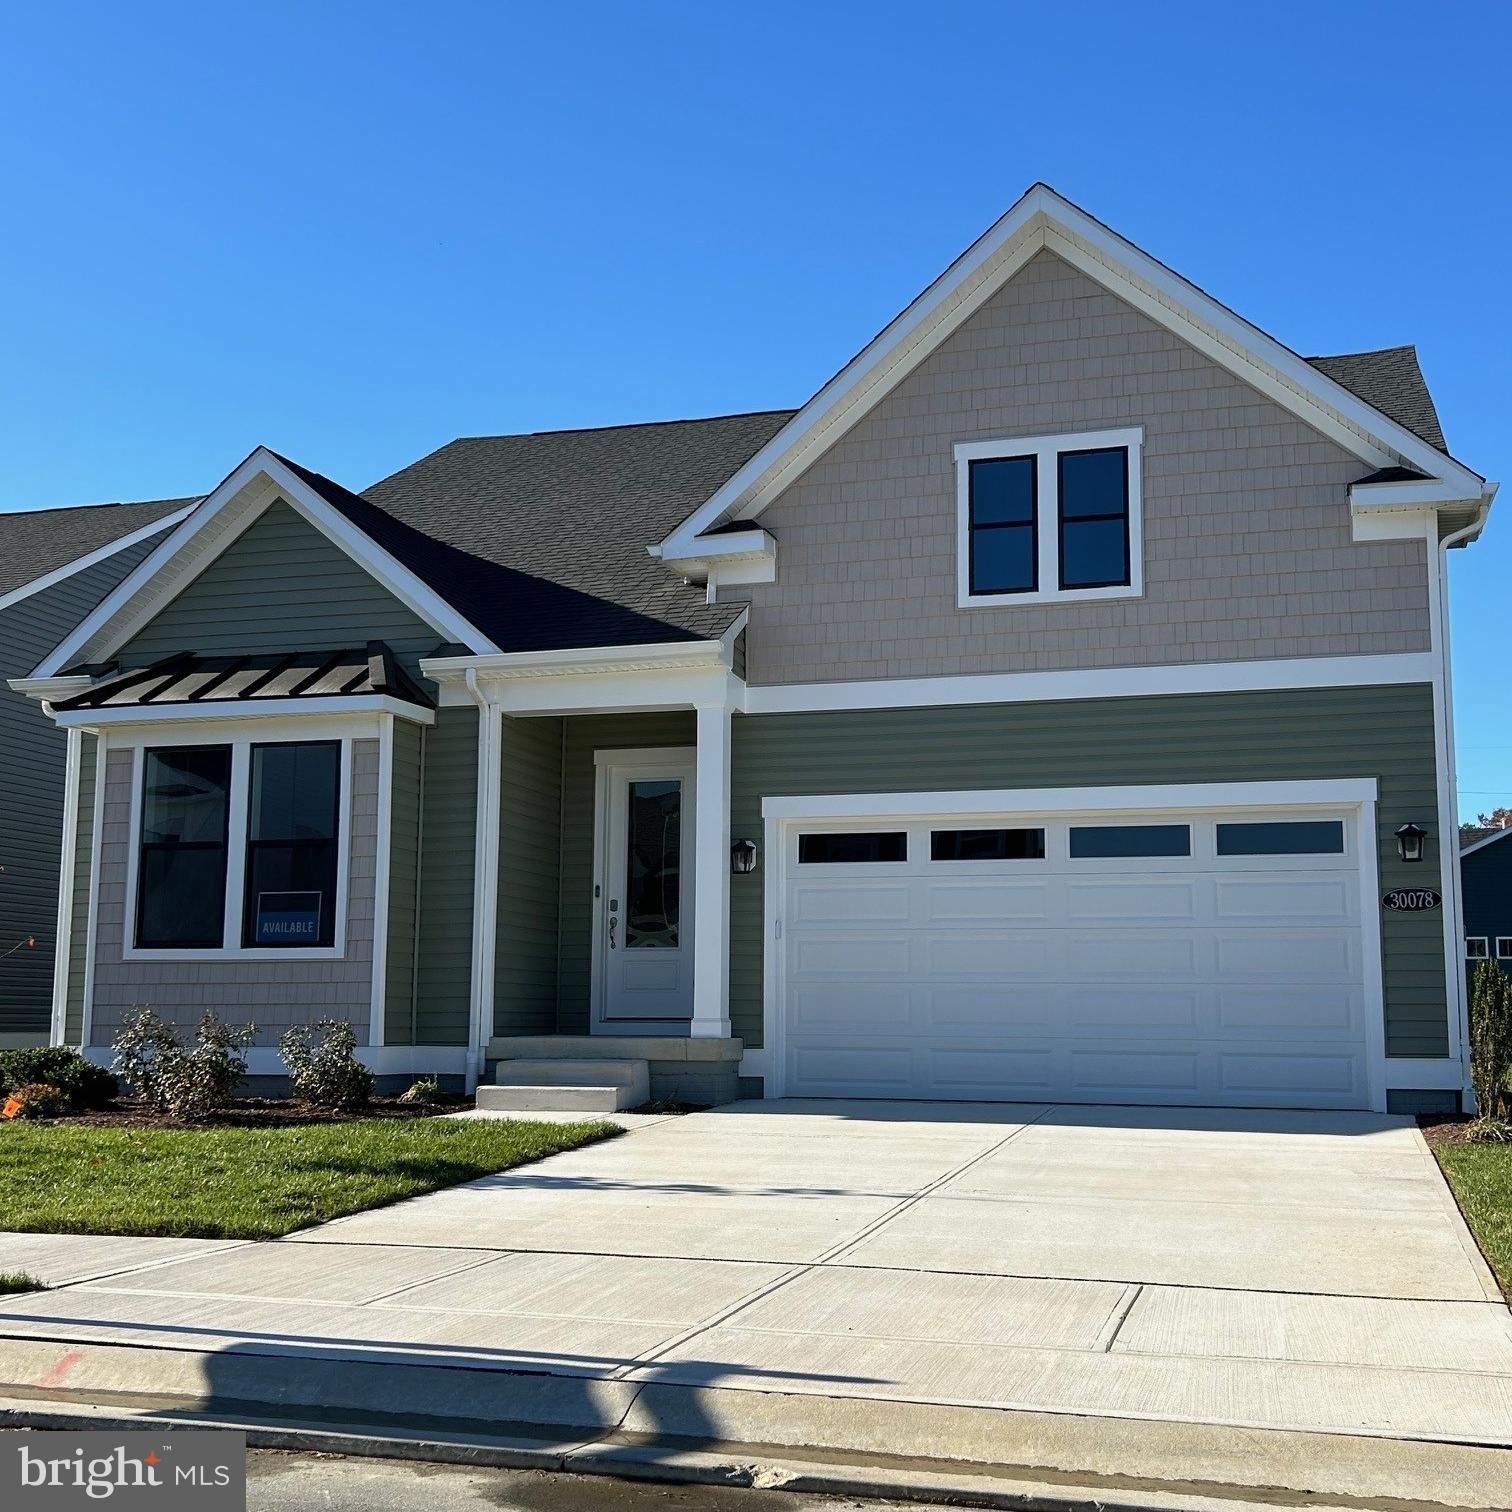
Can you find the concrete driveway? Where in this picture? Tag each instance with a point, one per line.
(1272, 1270)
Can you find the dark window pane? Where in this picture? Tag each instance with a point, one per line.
(1110, 840)
(863, 848)
(1002, 491)
(181, 877)
(1094, 483)
(294, 791)
(653, 865)
(1312, 837)
(987, 845)
(1002, 559)
(182, 897)
(1094, 553)
(184, 794)
(291, 845)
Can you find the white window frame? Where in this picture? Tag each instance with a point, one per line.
(1046, 451)
(1504, 947)
(1481, 940)
(241, 741)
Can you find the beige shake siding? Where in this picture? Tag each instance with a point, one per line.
(270, 993)
(1247, 550)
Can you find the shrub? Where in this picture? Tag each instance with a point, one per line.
(327, 1074)
(36, 1100)
(421, 1093)
(1491, 1039)
(185, 1083)
(83, 1083)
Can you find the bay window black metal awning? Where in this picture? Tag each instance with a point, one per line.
(187, 678)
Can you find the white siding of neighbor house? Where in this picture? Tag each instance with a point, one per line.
(270, 993)
(1247, 550)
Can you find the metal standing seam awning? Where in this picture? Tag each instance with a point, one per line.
(187, 678)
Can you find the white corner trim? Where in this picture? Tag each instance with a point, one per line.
(1500, 834)
(132, 603)
(1046, 525)
(1183, 796)
(1110, 682)
(67, 859)
(486, 842)
(92, 927)
(383, 852)
(90, 559)
(1424, 1075)
(1042, 218)
(248, 709)
(585, 661)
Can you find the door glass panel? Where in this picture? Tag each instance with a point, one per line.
(1124, 840)
(1310, 837)
(653, 852)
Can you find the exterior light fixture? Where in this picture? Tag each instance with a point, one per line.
(1409, 841)
(743, 857)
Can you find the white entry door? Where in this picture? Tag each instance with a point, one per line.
(1199, 958)
(644, 891)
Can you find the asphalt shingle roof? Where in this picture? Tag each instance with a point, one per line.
(38, 541)
(1393, 383)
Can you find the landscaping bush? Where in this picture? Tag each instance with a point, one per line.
(83, 1083)
(421, 1093)
(327, 1074)
(35, 1100)
(187, 1084)
(1491, 1039)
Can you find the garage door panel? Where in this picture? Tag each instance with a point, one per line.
(1183, 980)
(1123, 900)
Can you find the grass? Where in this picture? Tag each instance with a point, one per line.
(257, 1183)
(20, 1281)
(1481, 1175)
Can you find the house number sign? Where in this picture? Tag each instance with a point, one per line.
(1412, 899)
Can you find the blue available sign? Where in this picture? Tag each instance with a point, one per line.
(287, 918)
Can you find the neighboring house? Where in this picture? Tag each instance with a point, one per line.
(1486, 881)
(1030, 715)
(55, 566)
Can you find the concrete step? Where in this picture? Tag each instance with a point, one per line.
(533, 1071)
(556, 1099)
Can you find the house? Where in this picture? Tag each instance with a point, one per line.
(55, 566)
(1029, 715)
(1486, 885)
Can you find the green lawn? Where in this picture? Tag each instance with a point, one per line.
(1481, 1175)
(241, 1183)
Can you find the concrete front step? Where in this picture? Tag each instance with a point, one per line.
(554, 1099)
(534, 1071)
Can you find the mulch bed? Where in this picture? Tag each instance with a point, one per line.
(259, 1113)
(1448, 1129)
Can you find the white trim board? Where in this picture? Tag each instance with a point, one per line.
(91, 558)
(252, 487)
(1044, 220)
(383, 705)
(382, 1060)
(1109, 682)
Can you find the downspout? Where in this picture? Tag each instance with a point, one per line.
(1452, 870)
(485, 878)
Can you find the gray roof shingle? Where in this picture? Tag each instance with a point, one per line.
(38, 541)
(1393, 383)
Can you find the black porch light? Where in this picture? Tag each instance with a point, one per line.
(1409, 841)
(743, 857)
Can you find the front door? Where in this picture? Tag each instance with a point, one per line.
(644, 893)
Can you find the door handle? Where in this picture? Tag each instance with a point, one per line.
(613, 920)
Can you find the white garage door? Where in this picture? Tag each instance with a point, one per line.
(1204, 959)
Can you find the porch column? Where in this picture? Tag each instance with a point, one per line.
(711, 873)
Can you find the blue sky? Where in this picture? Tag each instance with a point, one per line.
(355, 231)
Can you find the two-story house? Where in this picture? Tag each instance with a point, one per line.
(1030, 715)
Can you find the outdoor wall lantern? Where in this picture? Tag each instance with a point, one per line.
(743, 857)
(1409, 841)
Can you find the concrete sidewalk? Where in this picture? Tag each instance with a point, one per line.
(863, 1278)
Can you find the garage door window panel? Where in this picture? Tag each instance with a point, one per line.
(853, 848)
(1103, 842)
(987, 845)
(1307, 837)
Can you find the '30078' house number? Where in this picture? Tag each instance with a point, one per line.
(1411, 899)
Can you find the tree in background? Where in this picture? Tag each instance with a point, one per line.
(1498, 818)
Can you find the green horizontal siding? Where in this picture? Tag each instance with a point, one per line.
(530, 870)
(281, 586)
(448, 821)
(404, 882)
(584, 736)
(1385, 733)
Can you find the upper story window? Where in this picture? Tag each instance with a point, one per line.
(1049, 519)
(237, 848)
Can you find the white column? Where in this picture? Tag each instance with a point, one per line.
(711, 876)
(485, 878)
